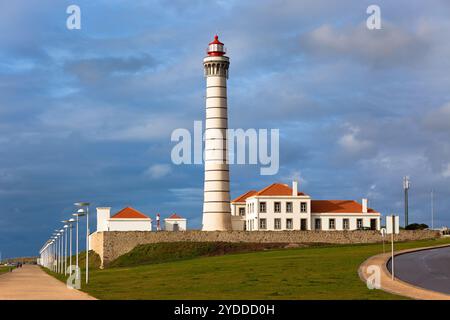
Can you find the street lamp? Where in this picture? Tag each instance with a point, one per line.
(70, 223)
(61, 256)
(78, 214)
(56, 234)
(65, 245)
(83, 205)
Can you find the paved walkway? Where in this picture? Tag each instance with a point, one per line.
(398, 286)
(31, 283)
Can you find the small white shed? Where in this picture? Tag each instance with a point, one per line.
(175, 223)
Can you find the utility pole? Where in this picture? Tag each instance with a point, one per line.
(406, 185)
(432, 209)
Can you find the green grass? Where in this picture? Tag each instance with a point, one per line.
(4, 269)
(174, 251)
(328, 272)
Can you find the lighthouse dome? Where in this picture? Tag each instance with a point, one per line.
(216, 47)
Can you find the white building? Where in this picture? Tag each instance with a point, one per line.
(175, 223)
(280, 207)
(127, 219)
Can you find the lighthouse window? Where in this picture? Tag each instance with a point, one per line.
(277, 207)
(262, 207)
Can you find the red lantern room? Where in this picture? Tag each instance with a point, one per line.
(216, 47)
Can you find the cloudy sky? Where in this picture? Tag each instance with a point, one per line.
(87, 114)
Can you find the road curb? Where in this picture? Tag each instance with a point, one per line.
(398, 286)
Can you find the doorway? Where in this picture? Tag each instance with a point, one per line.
(303, 224)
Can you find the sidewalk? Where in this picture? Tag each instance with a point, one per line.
(32, 283)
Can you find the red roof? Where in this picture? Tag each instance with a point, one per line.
(277, 189)
(216, 40)
(129, 213)
(244, 196)
(175, 216)
(337, 206)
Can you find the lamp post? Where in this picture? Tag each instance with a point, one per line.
(83, 205)
(71, 221)
(66, 226)
(61, 260)
(56, 234)
(78, 214)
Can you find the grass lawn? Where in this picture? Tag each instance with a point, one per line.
(328, 272)
(4, 269)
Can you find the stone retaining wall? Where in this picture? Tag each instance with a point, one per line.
(112, 244)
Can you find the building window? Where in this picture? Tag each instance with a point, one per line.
(277, 207)
(262, 224)
(346, 224)
(303, 223)
(262, 207)
(277, 224)
(359, 223)
(289, 224)
(331, 224)
(242, 211)
(318, 224)
(303, 207)
(289, 207)
(245, 225)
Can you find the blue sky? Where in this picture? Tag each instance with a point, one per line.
(87, 114)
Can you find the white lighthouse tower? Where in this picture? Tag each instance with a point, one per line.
(216, 204)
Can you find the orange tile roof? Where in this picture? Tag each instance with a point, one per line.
(175, 216)
(129, 213)
(337, 206)
(277, 189)
(244, 196)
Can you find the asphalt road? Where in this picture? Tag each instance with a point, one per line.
(429, 269)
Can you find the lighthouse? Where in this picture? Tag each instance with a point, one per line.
(216, 203)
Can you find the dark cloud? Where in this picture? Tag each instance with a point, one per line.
(98, 69)
(87, 115)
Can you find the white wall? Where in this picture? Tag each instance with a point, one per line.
(237, 222)
(339, 220)
(103, 215)
(270, 215)
(129, 225)
(169, 224)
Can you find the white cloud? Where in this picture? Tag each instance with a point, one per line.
(439, 119)
(389, 45)
(446, 171)
(351, 142)
(295, 175)
(158, 171)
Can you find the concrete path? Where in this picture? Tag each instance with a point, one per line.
(398, 286)
(31, 283)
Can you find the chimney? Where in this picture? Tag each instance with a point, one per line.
(103, 214)
(294, 188)
(364, 205)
